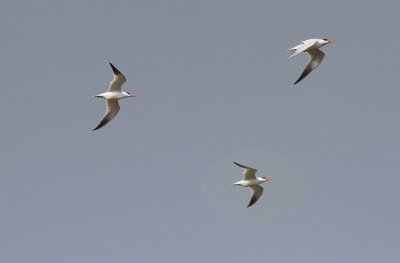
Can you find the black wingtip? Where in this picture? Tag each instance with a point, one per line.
(238, 164)
(114, 69)
(303, 75)
(253, 200)
(300, 78)
(250, 204)
(101, 124)
(243, 166)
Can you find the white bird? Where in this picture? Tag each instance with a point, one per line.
(250, 180)
(112, 96)
(311, 46)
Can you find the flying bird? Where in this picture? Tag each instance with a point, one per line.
(311, 46)
(250, 180)
(112, 96)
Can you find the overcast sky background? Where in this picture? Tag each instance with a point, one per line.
(212, 81)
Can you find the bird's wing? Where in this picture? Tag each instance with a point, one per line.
(112, 110)
(316, 57)
(249, 173)
(302, 47)
(257, 192)
(119, 79)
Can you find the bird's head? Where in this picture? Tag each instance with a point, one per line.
(328, 41)
(266, 179)
(129, 95)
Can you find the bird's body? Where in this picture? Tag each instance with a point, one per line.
(311, 46)
(112, 96)
(251, 181)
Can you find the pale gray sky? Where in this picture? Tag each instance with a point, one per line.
(212, 81)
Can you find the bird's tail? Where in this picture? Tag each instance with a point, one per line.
(293, 49)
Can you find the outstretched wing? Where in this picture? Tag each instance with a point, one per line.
(119, 79)
(257, 192)
(316, 57)
(112, 110)
(249, 173)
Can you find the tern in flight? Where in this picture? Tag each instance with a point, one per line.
(112, 96)
(250, 180)
(311, 46)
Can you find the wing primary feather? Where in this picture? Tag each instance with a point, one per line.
(316, 57)
(303, 75)
(115, 70)
(112, 110)
(103, 122)
(256, 194)
(240, 165)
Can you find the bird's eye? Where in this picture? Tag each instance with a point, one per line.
(325, 39)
